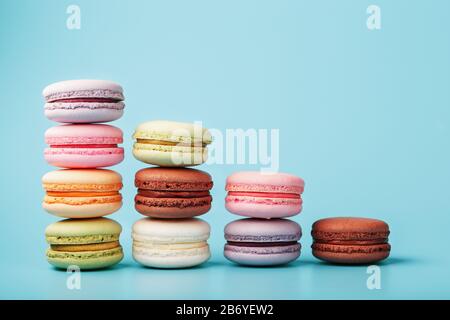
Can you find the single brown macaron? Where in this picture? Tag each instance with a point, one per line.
(350, 240)
(172, 192)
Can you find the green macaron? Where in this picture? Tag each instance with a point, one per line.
(86, 243)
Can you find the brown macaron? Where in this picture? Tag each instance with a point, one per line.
(172, 192)
(349, 240)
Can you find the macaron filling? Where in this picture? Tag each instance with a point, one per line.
(262, 244)
(76, 240)
(84, 94)
(85, 247)
(105, 100)
(264, 194)
(83, 146)
(264, 188)
(172, 143)
(173, 194)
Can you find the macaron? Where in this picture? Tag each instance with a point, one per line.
(171, 144)
(83, 146)
(262, 195)
(260, 242)
(178, 243)
(82, 193)
(172, 192)
(83, 101)
(350, 240)
(86, 243)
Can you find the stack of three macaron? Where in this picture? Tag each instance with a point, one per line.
(81, 191)
(171, 195)
(266, 238)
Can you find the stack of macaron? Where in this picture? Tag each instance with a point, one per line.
(171, 195)
(266, 238)
(81, 191)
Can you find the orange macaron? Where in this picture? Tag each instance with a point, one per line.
(82, 193)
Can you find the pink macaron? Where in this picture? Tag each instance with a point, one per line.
(83, 101)
(83, 146)
(262, 195)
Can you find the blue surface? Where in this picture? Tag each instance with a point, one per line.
(364, 118)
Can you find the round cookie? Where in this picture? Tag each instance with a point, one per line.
(176, 243)
(171, 144)
(82, 193)
(83, 101)
(349, 240)
(83, 146)
(172, 192)
(86, 243)
(258, 242)
(259, 195)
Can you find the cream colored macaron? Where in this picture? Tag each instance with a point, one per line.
(174, 243)
(171, 144)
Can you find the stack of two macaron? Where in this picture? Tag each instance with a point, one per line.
(266, 238)
(171, 196)
(81, 191)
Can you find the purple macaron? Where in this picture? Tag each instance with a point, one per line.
(83, 101)
(261, 242)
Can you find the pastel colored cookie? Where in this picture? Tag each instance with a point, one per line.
(262, 195)
(83, 146)
(260, 242)
(177, 243)
(86, 243)
(172, 192)
(350, 240)
(171, 144)
(83, 101)
(82, 193)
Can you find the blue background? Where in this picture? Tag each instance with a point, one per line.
(364, 118)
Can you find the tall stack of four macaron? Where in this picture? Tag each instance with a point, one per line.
(81, 191)
(171, 195)
(265, 238)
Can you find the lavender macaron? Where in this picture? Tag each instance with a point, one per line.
(261, 242)
(83, 101)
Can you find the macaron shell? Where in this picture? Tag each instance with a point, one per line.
(169, 259)
(187, 210)
(79, 158)
(82, 180)
(93, 112)
(83, 134)
(262, 256)
(259, 230)
(83, 88)
(266, 208)
(173, 179)
(170, 231)
(56, 232)
(349, 228)
(173, 131)
(347, 254)
(255, 181)
(86, 260)
(83, 210)
(170, 156)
